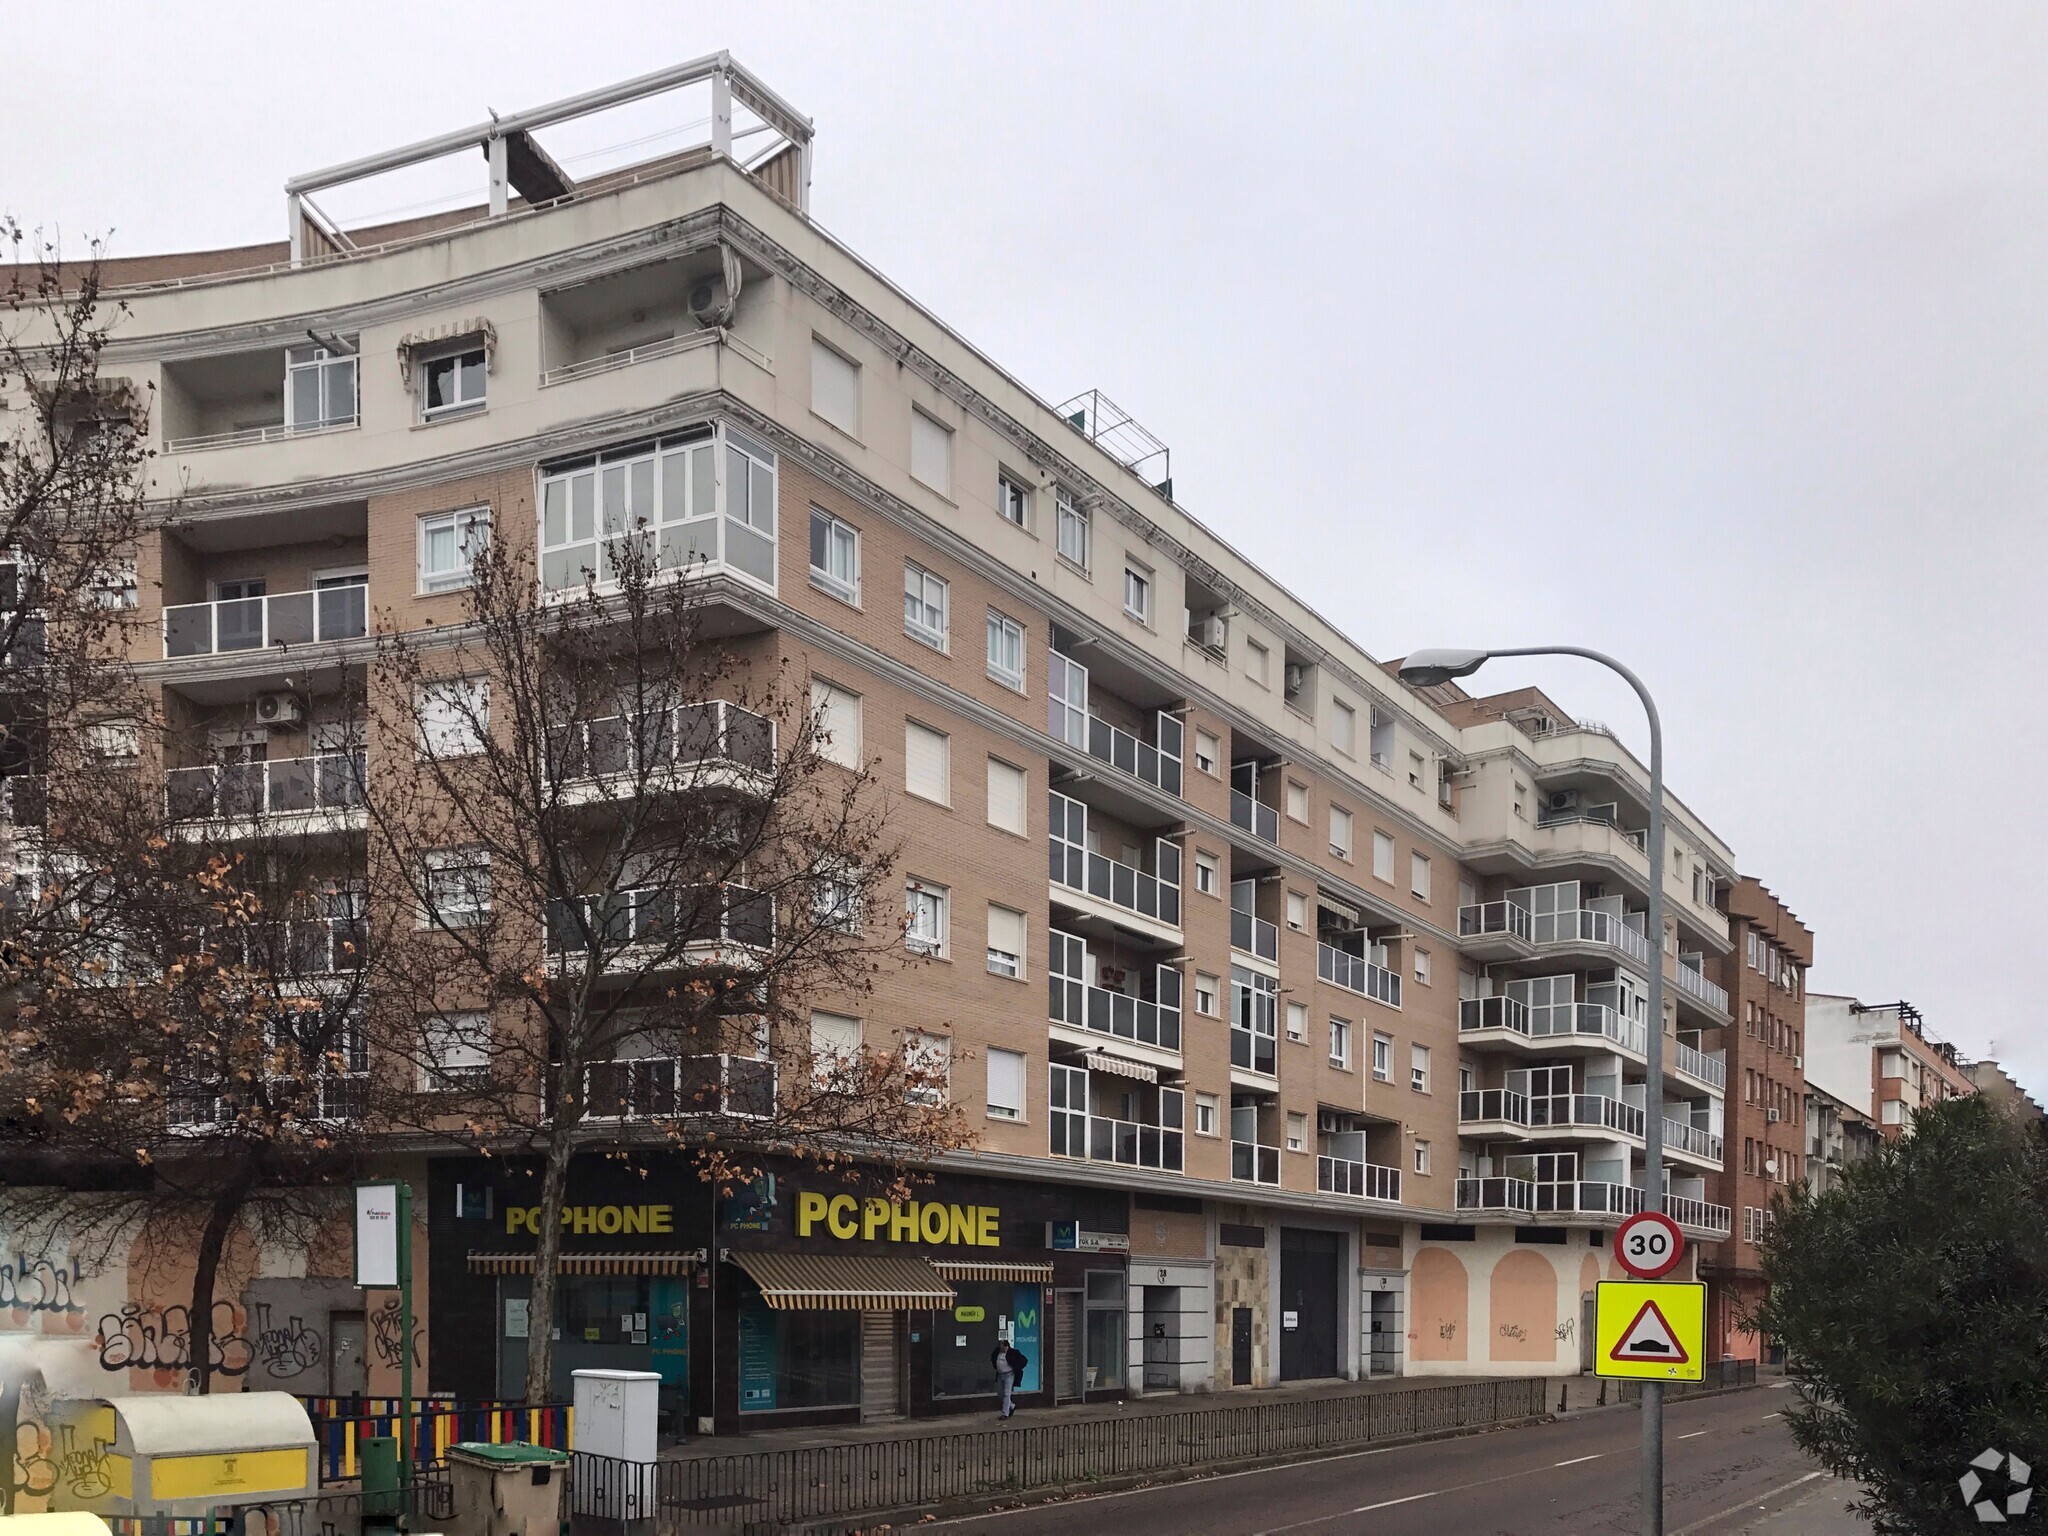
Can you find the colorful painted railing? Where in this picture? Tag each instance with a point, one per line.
(341, 1424)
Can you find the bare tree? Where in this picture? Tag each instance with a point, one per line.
(618, 871)
(180, 1016)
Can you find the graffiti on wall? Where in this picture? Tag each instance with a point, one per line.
(145, 1338)
(38, 1288)
(83, 1468)
(289, 1349)
(386, 1331)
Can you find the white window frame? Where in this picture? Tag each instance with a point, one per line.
(1207, 991)
(1012, 492)
(943, 442)
(1297, 1131)
(1382, 1057)
(1206, 1118)
(323, 364)
(460, 731)
(463, 405)
(455, 1050)
(1297, 1022)
(1007, 1111)
(1340, 1043)
(825, 579)
(825, 695)
(1339, 817)
(820, 346)
(1418, 1068)
(1258, 662)
(924, 899)
(446, 861)
(472, 529)
(1343, 727)
(1297, 910)
(920, 1048)
(1296, 801)
(1208, 751)
(1383, 856)
(1421, 1156)
(1023, 796)
(1005, 632)
(1138, 581)
(1074, 533)
(1422, 967)
(113, 743)
(942, 793)
(1002, 962)
(830, 1059)
(916, 624)
(1208, 873)
(1419, 876)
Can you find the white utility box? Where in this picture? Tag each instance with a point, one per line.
(617, 1414)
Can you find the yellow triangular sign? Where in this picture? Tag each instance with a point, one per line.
(1649, 1340)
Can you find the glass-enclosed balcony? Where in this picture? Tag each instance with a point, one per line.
(671, 1087)
(1151, 1016)
(1368, 1181)
(1138, 891)
(686, 736)
(1357, 974)
(1156, 762)
(1077, 1132)
(294, 786)
(233, 624)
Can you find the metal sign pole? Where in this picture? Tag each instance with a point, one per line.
(405, 1447)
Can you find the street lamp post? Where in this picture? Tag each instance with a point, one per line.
(1426, 669)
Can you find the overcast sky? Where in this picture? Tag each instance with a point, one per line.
(1710, 335)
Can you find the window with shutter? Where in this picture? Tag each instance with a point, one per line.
(927, 771)
(1006, 1085)
(835, 1045)
(931, 452)
(1006, 791)
(835, 388)
(1005, 941)
(837, 713)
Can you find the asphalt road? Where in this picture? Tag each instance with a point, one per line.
(1729, 1467)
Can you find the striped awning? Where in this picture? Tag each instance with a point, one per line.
(1023, 1271)
(1102, 1061)
(836, 1282)
(586, 1263)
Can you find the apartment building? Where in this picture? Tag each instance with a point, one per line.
(1300, 1017)
(1880, 1060)
(1837, 1134)
(2002, 1088)
(1766, 1150)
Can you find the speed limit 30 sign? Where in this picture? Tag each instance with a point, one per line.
(1649, 1245)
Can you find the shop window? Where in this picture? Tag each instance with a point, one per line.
(796, 1359)
(1103, 1353)
(963, 1339)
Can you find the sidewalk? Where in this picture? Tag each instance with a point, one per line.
(703, 1447)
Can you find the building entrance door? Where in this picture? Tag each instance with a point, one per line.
(1309, 1262)
(1240, 1346)
(1068, 1375)
(881, 1370)
(1385, 1337)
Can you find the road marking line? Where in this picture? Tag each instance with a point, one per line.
(1695, 1434)
(1577, 1459)
(1774, 1414)
(1744, 1506)
(1366, 1509)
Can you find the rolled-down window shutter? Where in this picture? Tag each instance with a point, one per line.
(925, 762)
(1005, 796)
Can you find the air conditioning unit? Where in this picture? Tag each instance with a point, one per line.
(1292, 678)
(1330, 1123)
(1772, 1116)
(1114, 977)
(1208, 631)
(279, 709)
(1798, 1061)
(1561, 800)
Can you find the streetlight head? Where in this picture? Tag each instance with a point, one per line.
(1427, 669)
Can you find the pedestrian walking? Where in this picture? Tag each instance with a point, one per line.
(1008, 1362)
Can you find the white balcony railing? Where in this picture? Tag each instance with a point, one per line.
(1504, 919)
(1680, 1137)
(1576, 927)
(1699, 1065)
(1368, 1181)
(1127, 1143)
(685, 736)
(1357, 974)
(1589, 1112)
(257, 623)
(1688, 1212)
(1477, 1013)
(1253, 1162)
(1578, 1021)
(1254, 936)
(333, 781)
(272, 432)
(1696, 986)
(1156, 762)
(1076, 867)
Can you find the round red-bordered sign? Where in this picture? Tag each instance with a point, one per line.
(1649, 1245)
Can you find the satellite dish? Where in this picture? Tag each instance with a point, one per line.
(1771, 1166)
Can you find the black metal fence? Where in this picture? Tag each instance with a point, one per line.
(771, 1490)
(1719, 1376)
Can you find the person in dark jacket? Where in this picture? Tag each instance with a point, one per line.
(1008, 1362)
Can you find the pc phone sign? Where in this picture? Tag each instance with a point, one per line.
(1648, 1330)
(1649, 1245)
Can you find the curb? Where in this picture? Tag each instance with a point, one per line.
(884, 1521)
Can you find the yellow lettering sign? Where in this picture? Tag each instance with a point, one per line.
(898, 1221)
(606, 1220)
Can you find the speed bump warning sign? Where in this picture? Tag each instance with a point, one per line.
(1650, 1330)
